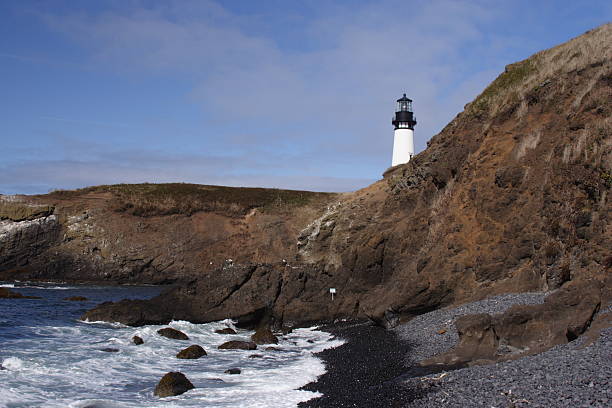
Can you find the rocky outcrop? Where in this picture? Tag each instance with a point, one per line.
(137, 340)
(76, 298)
(152, 233)
(524, 330)
(171, 384)
(191, 352)
(9, 294)
(22, 241)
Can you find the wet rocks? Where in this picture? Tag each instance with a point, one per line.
(227, 330)
(109, 350)
(173, 383)
(9, 294)
(233, 371)
(171, 333)
(264, 336)
(76, 298)
(256, 356)
(137, 340)
(191, 352)
(238, 345)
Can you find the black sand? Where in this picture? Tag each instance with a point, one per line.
(364, 371)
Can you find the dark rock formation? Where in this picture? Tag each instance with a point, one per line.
(256, 356)
(137, 340)
(109, 350)
(171, 333)
(173, 383)
(523, 330)
(227, 330)
(9, 294)
(264, 335)
(76, 298)
(232, 371)
(238, 345)
(191, 352)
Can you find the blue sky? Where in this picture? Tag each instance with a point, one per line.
(288, 94)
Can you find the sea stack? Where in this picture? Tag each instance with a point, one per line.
(403, 140)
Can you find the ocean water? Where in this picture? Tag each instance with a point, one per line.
(51, 359)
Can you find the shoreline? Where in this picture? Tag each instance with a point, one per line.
(379, 368)
(372, 377)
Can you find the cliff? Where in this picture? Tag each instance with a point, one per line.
(149, 233)
(512, 195)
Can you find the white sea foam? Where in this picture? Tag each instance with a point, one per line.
(12, 363)
(66, 367)
(7, 285)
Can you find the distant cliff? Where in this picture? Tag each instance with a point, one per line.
(512, 195)
(149, 233)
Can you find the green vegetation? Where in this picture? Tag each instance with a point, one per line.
(16, 211)
(514, 75)
(148, 200)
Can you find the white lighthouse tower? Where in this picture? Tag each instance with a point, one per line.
(403, 140)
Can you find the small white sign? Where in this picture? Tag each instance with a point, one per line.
(332, 290)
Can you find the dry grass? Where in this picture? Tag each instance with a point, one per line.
(146, 200)
(16, 211)
(594, 49)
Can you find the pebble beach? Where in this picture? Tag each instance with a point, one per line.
(573, 374)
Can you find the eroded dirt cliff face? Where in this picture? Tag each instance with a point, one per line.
(513, 195)
(150, 233)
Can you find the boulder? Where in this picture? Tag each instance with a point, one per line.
(137, 340)
(171, 333)
(256, 356)
(76, 298)
(233, 371)
(524, 329)
(191, 352)
(110, 350)
(9, 294)
(227, 330)
(238, 345)
(264, 336)
(173, 383)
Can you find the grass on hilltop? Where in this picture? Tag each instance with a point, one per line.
(147, 200)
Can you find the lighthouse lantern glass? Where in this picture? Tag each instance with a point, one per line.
(404, 106)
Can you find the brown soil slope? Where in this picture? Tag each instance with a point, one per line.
(150, 233)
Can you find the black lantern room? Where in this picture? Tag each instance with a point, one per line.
(404, 118)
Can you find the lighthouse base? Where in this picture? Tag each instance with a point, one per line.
(403, 146)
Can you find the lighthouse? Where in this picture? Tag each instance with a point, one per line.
(403, 140)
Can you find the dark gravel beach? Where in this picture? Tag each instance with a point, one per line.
(373, 367)
(363, 371)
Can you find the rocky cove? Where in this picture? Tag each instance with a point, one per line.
(511, 197)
